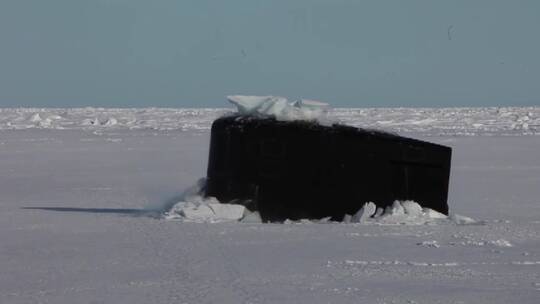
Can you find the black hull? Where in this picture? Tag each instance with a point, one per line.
(298, 169)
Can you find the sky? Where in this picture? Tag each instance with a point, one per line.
(192, 53)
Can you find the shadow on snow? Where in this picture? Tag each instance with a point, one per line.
(119, 211)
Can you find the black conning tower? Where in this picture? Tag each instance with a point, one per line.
(301, 169)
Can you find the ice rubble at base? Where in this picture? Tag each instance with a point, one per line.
(206, 210)
(280, 107)
(399, 213)
(404, 213)
(194, 207)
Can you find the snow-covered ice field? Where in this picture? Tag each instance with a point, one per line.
(81, 191)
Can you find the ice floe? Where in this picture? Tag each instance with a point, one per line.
(280, 107)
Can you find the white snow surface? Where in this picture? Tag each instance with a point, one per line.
(81, 217)
(424, 121)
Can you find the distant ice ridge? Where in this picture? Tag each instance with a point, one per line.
(109, 118)
(422, 121)
(280, 107)
(194, 207)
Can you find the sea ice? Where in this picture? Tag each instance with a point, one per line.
(420, 121)
(460, 219)
(251, 217)
(209, 210)
(280, 107)
(35, 118)
(364, 213)
(411, 207)
(111, 122)
(195, 207)
(404, 213)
